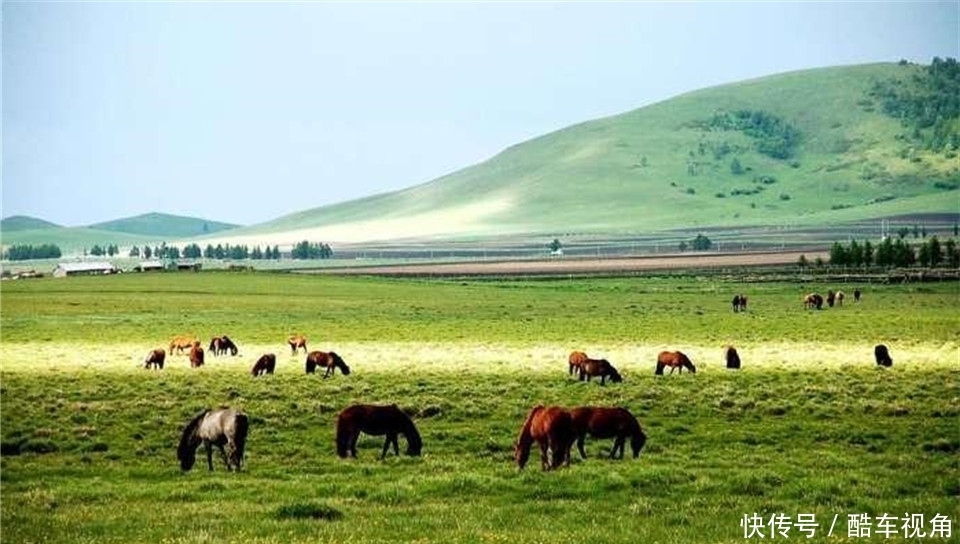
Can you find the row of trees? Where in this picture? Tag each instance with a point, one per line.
(303, 250)
(25, 252)
(897, 252)
(311, 250)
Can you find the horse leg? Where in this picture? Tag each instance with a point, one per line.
(328, 373)
(544, 463)
(209, 448)
(618, 444)
(353, 444)
(386, 446)
(580, 440)
(223, 454)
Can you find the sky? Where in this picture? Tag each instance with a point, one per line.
(246, 111)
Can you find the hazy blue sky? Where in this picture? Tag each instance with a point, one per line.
(243, 112)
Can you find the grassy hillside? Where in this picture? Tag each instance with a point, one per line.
(671, 165)
(163, 225)
(73, 240)
(25, 222)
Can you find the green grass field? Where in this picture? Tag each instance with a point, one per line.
(810, 425)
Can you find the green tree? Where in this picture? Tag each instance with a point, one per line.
(134, 251)
(147, 252)
(802, 262)
(735, 167)
(702, 243)
(935, 251)
(839, 255)
(96, 250)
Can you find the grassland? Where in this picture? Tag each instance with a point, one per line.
(809, 426)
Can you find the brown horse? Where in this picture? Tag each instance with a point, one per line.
(182, 342)
(330, 361)
(376, 420)
(576, 359)
(296, 342)
(882, 355)
(831, 297)
(155, 358)
(599, 367)
(219, 345)
(552, 429)
(601, 422)
(732, 357)
(264, 365)
(675, 360)
(196, 355)
(739, 303)
(813, 300)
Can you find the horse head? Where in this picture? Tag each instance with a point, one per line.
(637, 441)
(337, 360)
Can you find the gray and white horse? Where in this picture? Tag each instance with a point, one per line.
(222, 427)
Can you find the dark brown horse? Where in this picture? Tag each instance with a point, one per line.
(182, 342)
(675, 360)
(296, 342)
(856, 295)
(599, 367)
(882, 355)
(330, 361)
(219, 345)
(739, 303)
(196, 355)
(552, 429)
(602, 422)
(831, 297)
(377, 421)
(732, 357)
(264, 365)
(155, 358)
(813, 300)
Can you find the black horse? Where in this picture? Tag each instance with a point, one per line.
(882, 355)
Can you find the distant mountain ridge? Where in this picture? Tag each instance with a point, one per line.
(163, 225)
(25, 222)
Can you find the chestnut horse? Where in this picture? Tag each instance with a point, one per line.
(552, 429)
(196, 355)
(376, 420)
(155, 358)
(675, 360)
(732, 357)
(599, 367)
(602, 422)
(220, 344)
(576, 359)
(264, 365)
(182, 342)
(330, 361)
(296, 342)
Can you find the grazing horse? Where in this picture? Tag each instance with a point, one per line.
(732, 357)
(552, 429)
(675, 360)
(223, 427)
(576, 359)
(831, 297)
(840, 297)
(813, 300)
(856, 295)
(155, 358)
(739, 303)
(196, 355)
(330, 361)
(296, 342)
(264, 365)
(599, 367)
(882, 355)
(182, 342)
(220, 344)
(600, 422)
(376, 420)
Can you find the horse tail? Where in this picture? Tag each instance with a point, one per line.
(344, 434)
(241, 427)
(525, 439)
(186, 450)
(659, 370)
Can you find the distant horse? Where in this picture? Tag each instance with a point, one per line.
(576, 359)
(182, 342)
(220, 344)
(675, 360)
(739, 303)
(882, 355)
(330, 361)
(552, 429)
(223, 427)
(155, 358)
(196, 355)
(813, 300)
(840, 296)
(856, 295)
(831, 297)
(600, 422)
(296, 342)
(599, 367)
(264, 365)
(732, 357)
(376, 420)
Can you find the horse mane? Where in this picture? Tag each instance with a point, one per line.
(187, 443)
(525, 439)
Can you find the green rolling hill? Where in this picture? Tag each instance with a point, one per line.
(23, 222)
(807, 148)
(161, 225)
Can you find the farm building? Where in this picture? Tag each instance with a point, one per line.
(146, 266)
(83, 269)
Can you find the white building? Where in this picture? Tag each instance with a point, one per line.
(83, 269)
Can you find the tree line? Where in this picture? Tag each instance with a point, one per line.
(899, 253)
(25, 252)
